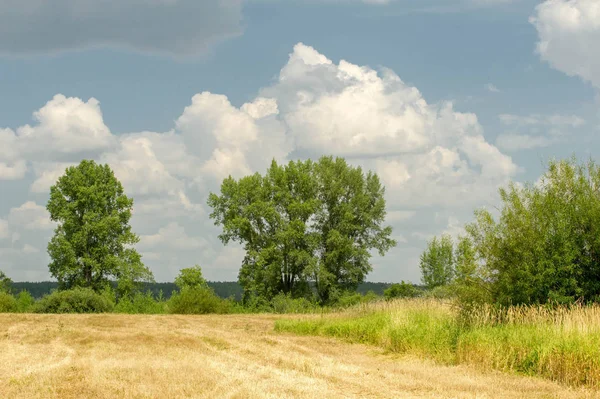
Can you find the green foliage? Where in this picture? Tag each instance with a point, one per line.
(347, 299)
(401, 290)
(284, 303)
(470, 285)
(8, 303)
(140, 304)
(191, 278)
(92, 242)
(545, 245)
(437, 262)
(25, 302)
(76, 300)
(303, 222)
(197, 301)
(5, 283)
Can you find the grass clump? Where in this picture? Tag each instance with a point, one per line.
(562, 344)
(141, 303)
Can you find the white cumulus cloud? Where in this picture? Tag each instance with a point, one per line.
(569, 33)
(427, 154)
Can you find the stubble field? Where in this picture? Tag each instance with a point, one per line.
(233, 356)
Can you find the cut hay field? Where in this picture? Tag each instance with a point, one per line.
(233, 356)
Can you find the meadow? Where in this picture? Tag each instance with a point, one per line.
(557, 343)
(239, 356)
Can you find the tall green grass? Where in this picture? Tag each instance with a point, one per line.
(562, 344)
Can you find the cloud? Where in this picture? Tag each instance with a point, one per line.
(569, 31)
(545, 120)
(47, 173)
(427, 154)
(536, 131)
(173, 27)
(172, 236)
(4, 230)
(424, 152)
(66, 129)
(30, 216)
(516, 142)
(492, 88)
(229, 140)
(65, 126)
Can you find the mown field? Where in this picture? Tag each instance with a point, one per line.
(226, 356)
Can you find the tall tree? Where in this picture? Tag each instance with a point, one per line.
(437, 262)
(269, 215)
(93, 241)
(303, 222)
(349, 223)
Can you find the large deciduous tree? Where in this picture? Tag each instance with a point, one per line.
(303, 222)
(93, 242)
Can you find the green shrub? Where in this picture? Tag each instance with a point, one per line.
(441, 292)
(197, 301)
(25, 302)
(140, 304)
(76, 300)
(283, 303)
(350, 298)
(8, 303)
(402, 290)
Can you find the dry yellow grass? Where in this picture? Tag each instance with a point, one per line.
(136, 356)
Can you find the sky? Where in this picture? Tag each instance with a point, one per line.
(445, 100)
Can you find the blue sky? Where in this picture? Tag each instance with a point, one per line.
(447, 101)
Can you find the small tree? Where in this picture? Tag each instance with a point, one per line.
(5, 283)
(93, 241)
(191, 277)
(471, 282)
(437, 262)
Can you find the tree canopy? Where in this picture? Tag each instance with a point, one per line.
(545, 245)
(191, 277)
(437, 262)
(304, 222)
(93, 241)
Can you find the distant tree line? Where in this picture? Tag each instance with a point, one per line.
(223, 289)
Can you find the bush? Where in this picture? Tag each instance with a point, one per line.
(140, 304)
(283, 303)
(350, 298)
(197, 301)
(76, 300)
(8, 303)
(402, 290)
(25, 302)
